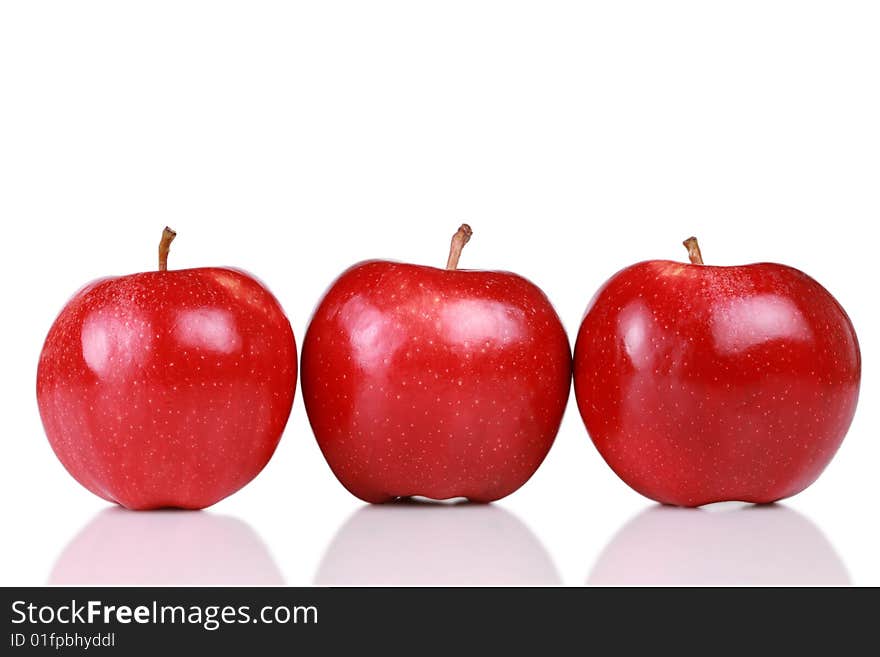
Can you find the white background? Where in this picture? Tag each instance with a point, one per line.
(293, 139)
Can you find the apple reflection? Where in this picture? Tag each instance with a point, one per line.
(723, 544)
(419, 543)
(168, 547)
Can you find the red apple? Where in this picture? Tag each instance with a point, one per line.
(167, 388)
(701, 384)
(436, 383)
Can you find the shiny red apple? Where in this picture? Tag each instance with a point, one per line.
(701, 384)
(439, 383)
(167, 388)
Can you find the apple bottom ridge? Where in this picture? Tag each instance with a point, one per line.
(695, 502)
(418, 498)
(426, 496)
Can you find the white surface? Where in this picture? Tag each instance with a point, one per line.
(293, 139)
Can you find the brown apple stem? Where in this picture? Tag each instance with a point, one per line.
(168, 236)
(693, 248)
(461, 237)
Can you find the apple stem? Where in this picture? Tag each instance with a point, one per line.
(693, 248)
(461, 237)
(168, 236)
